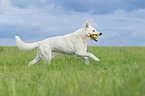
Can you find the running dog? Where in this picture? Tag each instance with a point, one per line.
(70, 44)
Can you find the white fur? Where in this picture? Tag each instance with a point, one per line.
(70, 44)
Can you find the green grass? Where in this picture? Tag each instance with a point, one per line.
(1, 49)
(121, 72)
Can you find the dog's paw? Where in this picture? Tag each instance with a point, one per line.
(87, 62)
(97, 59)
(30, 65)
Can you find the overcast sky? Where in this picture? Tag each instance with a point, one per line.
(122, 22)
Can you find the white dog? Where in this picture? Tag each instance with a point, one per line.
(70, 44)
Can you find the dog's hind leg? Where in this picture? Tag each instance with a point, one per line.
(53, 54)
(37, 58)
(85, 59)
(34, 61)
(48, 57)
(46, 54)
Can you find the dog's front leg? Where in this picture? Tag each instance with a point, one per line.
(81, 54)
(85, 59)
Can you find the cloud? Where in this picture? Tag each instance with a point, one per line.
(95, 6)
(33, 23)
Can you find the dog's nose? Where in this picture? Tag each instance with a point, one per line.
(100, 34)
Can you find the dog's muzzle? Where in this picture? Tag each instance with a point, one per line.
(94, 37)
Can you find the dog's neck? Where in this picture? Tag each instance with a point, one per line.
(81, 34)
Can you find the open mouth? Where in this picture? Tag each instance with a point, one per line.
(94, 37)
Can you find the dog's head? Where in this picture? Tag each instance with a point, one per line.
(91, 32)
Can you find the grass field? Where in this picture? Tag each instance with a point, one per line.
(121, 72)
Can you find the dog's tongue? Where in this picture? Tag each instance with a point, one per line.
(94, 38)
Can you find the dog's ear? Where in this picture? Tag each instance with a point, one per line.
(90, 23)
(87, 25)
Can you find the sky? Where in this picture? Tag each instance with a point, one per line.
(122, 22)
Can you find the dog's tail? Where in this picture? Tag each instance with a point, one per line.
(26, 46)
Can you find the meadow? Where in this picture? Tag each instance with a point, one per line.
(121, 72)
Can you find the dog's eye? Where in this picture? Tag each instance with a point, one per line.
(93, 30)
